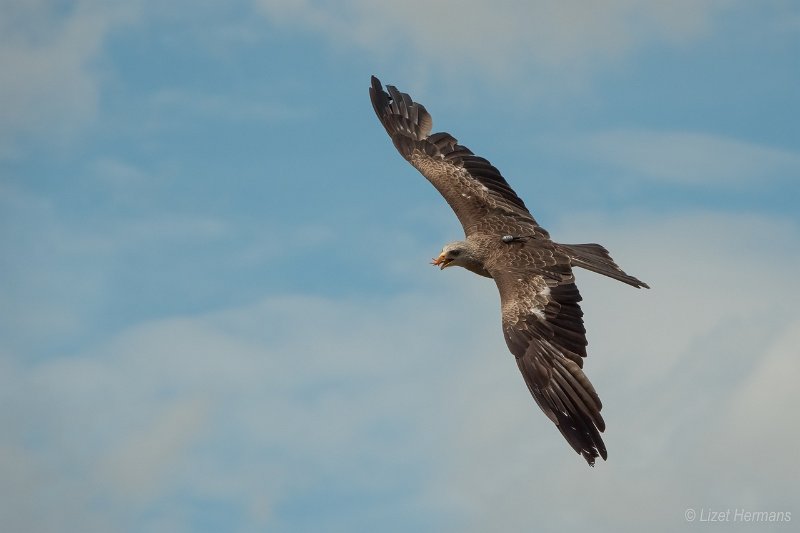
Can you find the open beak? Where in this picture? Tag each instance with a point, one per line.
(441, 261)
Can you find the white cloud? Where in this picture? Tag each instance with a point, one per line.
(689, 158)
(119, 175)
(47, 282)
(501, 36)
(755, 424)
(227, 107)
(60, 274)
(263, 406)
(252, 407)
(685, 372)
(73, 277)
(47, 81)
(141, 465)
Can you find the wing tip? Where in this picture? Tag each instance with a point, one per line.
(398, 112)
(591, 455)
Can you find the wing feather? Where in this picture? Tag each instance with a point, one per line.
(473, 187)
(543, 328)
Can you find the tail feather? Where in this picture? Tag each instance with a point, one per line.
(597, 259)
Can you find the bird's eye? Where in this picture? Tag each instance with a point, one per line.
(455, 253)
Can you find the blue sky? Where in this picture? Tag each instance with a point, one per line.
(217, 312)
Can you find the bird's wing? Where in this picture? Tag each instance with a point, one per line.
(477, 192)
(543, 328)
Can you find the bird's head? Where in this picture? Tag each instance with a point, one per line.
(453, 254)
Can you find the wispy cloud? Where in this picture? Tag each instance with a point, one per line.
(499, 37)
(260, 407)
(685, 372)
(198, 335)
(689, 158)
(226, 107)
(234, 407)
(47, 82)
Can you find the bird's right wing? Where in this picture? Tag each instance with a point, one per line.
(543, 328)
(477, 192)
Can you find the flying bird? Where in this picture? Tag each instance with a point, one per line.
(541, 316)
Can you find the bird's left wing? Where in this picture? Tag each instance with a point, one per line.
(477, 192)
(543, 328)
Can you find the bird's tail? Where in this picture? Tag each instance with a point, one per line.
(597, 259)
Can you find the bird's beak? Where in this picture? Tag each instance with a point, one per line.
(441, 262)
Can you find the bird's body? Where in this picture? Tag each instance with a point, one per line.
(541, 316)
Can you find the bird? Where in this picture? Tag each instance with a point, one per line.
(542, 320)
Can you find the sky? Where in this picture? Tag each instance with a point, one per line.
(216, 307)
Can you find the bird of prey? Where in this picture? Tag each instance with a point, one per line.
(541, 317)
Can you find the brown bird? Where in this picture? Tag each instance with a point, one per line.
(542, 321)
